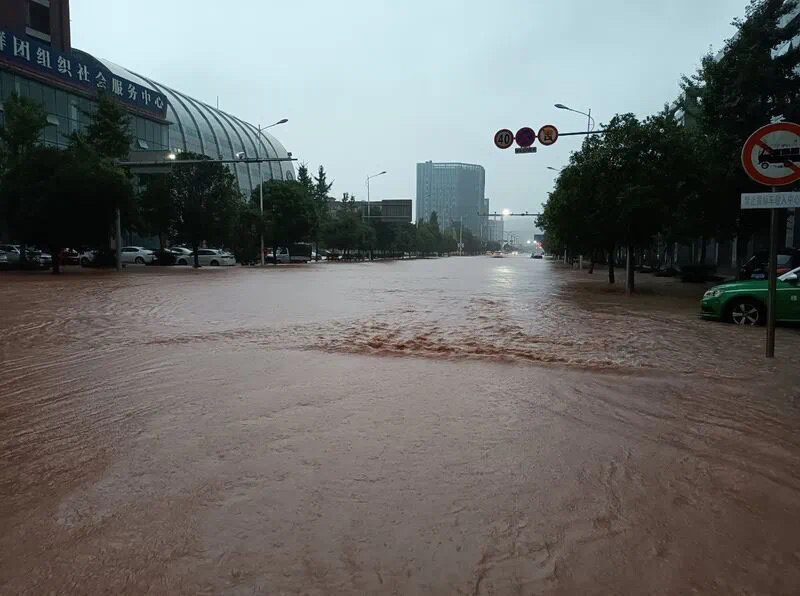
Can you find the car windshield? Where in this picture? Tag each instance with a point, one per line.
(795, 271)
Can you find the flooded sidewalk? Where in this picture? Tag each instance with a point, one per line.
(466, 425)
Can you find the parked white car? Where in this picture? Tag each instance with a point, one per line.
(34, 256)
(138, 255)
(213, 257)
(11, 253)
(183, 256)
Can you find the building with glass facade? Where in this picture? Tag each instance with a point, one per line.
(454, 191)
(37, 62)
(200, 128)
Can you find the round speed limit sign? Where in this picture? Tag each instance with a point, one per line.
(503, 138)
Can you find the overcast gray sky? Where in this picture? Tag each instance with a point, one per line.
(372, 85)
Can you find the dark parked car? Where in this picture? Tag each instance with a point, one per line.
(757, 266)
(104, 257)
(69, 256)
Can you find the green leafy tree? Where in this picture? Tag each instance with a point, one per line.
(24, 122)
(105, 142)
(429, 237)
(248, 226)
(205, 198)
(622, 189)
(321, 185)
(343, 232)
(384, 235)
(108, 132)
(64, 201)
(305, 180)
(157, 209)
(406, 238)
(319, 190)
(289, 213)
(756, 80)
(57, 198)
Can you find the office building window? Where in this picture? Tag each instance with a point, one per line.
(39, 17)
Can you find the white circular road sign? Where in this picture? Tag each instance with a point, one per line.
(771, 156)
(503, 138)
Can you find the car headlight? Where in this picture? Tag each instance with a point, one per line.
(712, 293)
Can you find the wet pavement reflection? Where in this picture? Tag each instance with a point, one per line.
(471, 425)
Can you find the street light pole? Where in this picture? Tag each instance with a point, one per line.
(589, 121)
(461, 237)
(589, 127)
(118, 231)
(261, 185)
(261, 200)
(368, 179)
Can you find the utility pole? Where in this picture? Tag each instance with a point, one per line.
(261, 199)
(461, 237)
(118, 230)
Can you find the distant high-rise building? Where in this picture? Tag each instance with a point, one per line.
(454, 191)
(495, 231)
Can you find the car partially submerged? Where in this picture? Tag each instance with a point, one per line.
(744, 302)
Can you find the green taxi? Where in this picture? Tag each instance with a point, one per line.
(744, 302)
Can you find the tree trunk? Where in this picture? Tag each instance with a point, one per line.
(195, 248)
(275, 251)
(630, 271)
(161, 249)
(703, 250)
(611, 279)
(55, 266)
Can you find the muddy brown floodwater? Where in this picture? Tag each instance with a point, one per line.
(452, 426)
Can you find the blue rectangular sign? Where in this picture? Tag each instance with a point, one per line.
(78, 69)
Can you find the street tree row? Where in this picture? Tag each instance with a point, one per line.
(68, 197)
(645, 184)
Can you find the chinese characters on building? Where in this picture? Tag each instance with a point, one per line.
(83, 72)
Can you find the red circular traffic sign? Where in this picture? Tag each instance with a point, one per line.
(525, 136)
(548, 134)
(503, 138)
(771, 155)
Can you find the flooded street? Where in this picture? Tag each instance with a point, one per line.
(449, 426)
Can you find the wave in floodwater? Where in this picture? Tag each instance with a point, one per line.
(509, 346)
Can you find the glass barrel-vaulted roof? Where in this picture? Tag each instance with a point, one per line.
(198, 127)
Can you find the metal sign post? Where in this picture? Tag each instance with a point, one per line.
(772, 292)
(771, 156)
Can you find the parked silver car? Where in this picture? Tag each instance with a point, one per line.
(138, 255)
(13, 255)
(10, 253)
(183, 256)
(213, 257)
